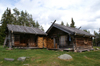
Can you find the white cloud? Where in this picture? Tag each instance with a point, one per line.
(86, 13)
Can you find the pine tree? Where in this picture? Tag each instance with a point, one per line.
(87, 31)
(62, 23)
(41, 28)
(17, 18)
(37, 24)
(67, 24)
(16, 15)
(7, 18)
(72, 23)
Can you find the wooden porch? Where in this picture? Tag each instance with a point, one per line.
(28, 47)
(64, 49)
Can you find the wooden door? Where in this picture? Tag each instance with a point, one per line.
(62, 41)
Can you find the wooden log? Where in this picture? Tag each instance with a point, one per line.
(40, 42)
(45, 42)
(23, 45)
(50, 43)
(12, 39)
(86, 43)
(5, 41)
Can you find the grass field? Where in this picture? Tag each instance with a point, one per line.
(43, 57)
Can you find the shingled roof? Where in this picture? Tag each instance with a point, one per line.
(69, 30)
(25, 29)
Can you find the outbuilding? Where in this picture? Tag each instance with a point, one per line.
(23, 36)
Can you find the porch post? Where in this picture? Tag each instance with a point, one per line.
(12, 37)
(74, 45)
(10, 44)
(54, 42)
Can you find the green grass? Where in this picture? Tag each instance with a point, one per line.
(43, 57)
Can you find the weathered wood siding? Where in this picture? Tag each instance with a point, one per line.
(40, 42)
(31, 41)
(45, 42)
(24, 41)
(17, 40)
(50, 43)
(83, 43)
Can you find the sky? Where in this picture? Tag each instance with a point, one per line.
(86, 13)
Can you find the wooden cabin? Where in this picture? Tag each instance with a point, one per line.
(23, 36)
(68, 38)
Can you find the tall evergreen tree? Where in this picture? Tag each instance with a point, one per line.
(7, 18)
(72, 23)
(62, 23)
(37, 24)
(16, 15)
(67, 24)
(17, 18)
(41, 28)
(97, 38)
(87, 31)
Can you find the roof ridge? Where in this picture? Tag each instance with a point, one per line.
(75, 30)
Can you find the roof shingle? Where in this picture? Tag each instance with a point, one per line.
(25, 29)
(70, 30)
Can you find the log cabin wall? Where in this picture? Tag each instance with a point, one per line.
(40, 42)
(26, 40)
(53, 38)
(59, 43)
(50, 43)
(32, 41)
(17, 40)
(45, 42)
(83, 42)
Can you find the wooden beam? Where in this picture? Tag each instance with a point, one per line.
(54, 42)
(10, 45)
(5, 41)
(53, 22)
(50, 27)
(12, 37)
(75, 48)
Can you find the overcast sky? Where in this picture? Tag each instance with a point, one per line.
(86, 13)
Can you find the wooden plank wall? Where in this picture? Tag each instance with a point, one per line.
(83, 43)
(40, 42)
(26, 42)
(50, 43)
(45, 42)
(31, 42)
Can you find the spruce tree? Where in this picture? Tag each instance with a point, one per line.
(41, 28)
(7, 18)
(67, 24)
(72, 23)
(62, 23)
(17, 18)
(16, 15)
(37, 24)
